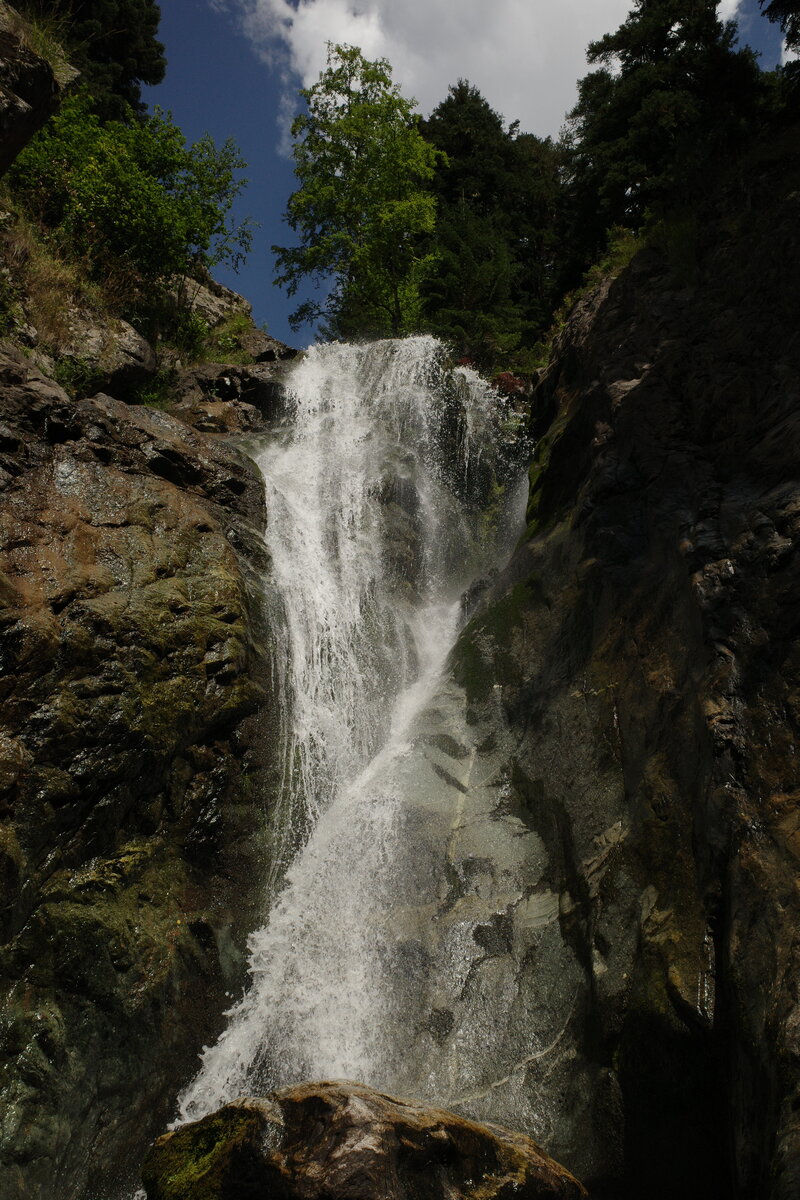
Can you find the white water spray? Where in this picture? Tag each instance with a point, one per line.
(375, 530)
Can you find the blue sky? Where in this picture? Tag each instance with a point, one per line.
(234, 67)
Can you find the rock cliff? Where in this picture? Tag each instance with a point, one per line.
(645, 643)
(135, 737)
(136, 716)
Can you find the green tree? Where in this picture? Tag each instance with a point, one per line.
(787, 14)
(362, 206)
(113, 44)
(470, 297)
(673, 93)
(132, 199)
(496, 190)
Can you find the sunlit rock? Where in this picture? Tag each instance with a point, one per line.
(344, 1141)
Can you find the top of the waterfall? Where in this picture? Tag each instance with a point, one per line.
(392, 364)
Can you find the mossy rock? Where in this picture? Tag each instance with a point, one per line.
(217, 1158)
(339, 1141)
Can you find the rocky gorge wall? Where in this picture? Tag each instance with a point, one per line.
(626, 698)
(134, 758)
(645, 642)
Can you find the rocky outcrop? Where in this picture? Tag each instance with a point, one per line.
(211, 300)
(645, 728)
(218, 305)
(343, 1141)
(224, 398)
(109, 353)
(133, 750)
(29, 89)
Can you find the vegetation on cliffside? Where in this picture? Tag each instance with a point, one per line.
(520, 220)
(461, 225)
(108, 208)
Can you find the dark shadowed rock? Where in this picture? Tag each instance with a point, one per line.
(344, 1141)
(29, 89)
(645, 640)
(226, 398)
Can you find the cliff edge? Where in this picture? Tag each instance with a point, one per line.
(645, 637)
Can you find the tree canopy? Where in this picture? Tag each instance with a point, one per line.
(672, 91)
(787, 14)
(362, 207)
(132, 199)
(113, 44)
(489, 289)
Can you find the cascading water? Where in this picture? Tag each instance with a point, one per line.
(377, 497)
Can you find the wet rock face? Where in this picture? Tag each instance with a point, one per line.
(343, 1141)
(225, 398)
(645, 640)
(133, 695)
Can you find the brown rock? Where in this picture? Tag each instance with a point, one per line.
(131, 688)
(344, 1141)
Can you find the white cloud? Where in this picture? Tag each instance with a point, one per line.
(524, 55)
(729, 9)
(788, 55)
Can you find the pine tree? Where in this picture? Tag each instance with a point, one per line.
(113, 44)
(672, 93)
(496, 192)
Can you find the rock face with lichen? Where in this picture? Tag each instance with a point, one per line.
(644, 640)
(343, 1141)
(133, 749)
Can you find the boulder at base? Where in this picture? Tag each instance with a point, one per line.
(344, 1141)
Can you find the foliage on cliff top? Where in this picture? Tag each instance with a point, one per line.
(672, 95)
(112, 43)
(362, 206)
(489, 290)
(131, 196)
(129, 201)
(106, 206)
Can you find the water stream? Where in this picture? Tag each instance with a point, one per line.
(383, 508)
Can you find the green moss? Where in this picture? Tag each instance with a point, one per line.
(678, 239)
(537, 475)
(201, 1161)
(483, 654)
(114, 934)
(225, 343)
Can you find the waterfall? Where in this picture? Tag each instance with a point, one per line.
(378, 490)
